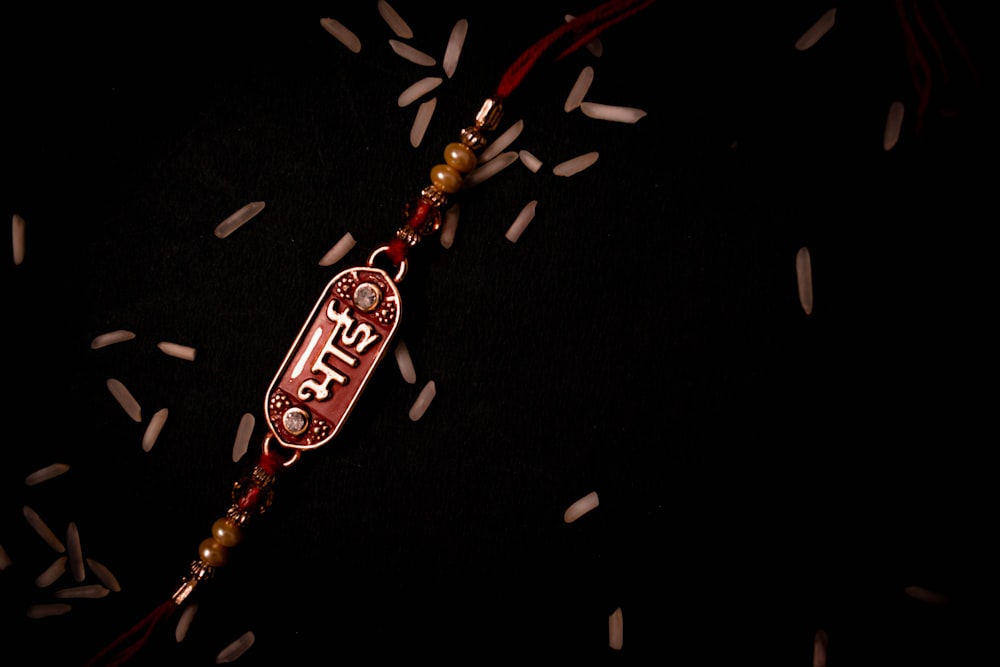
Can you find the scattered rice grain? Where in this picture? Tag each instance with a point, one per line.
(618, 114)
(43, 530)
(489, 169)
(580, 88)
(87, 591)
(575, 165)
(418, 90)
(893, 125)
(803, 272)
(239, 218)
(817, 30)
(125, 399)
(342, 33)
(235, 649)
(45, 474)
(581, 507)
(45, 610)
(424, 399)
(5, 560)
(406, 51)
(820, 641)
(450, 225)
(454, 49)
(75, 551)
(530, 161)
(421, 121)
(184, 622)
(595, 46)
(615, 629)
(110, 338)
(520, 223)
(924, 595)
(176, 350)
(243, 434)
(52, 572)
(339, 250)
(501, 142)
(394, 20)
(405, 362)
(17, 238)
(154, 428)
(105, 575)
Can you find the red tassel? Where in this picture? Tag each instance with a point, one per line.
(122, 649)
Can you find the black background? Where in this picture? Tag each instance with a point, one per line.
(763, 473)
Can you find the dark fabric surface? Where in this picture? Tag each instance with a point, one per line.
(762, 473)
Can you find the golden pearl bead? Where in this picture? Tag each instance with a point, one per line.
(227, 533)
(446, 178)
(460, 157)
(212, 553)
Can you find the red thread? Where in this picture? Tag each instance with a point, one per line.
(610, 12)
(120, 651)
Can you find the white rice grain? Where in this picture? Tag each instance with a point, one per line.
(817, 30)
(17, 238)
(615, 629)
(501, 142)
(45, 610)
(176, 350)
(893, 125)
(342, 33)
(87, 591)
(239, 218)
(450, 225)
(236, 649)
(110, 338)
(339, 250)
(154, 428)
(243, 433)
(454, 49)
(405, 362)
(404, 50)
(575, 165)
(75, 552)
(924, 595)
(45, 474)
(5, 560)
(394, 20)
(489, 169)
(520, 223)
(105, 575)
(820, 641)
(184, 622)
(595, 46)
(52, 572)
(618, 114)
(424, 399)
(530, 161)
(581, 507)
(803, 272)
(421, 121)
(43, 530)
(125, 399)
(418, 90)
(579, 89)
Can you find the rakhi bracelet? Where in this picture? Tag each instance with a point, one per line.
(349, 332)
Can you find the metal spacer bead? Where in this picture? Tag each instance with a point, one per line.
(200, 571)
(436, 197)
(473, 138)
(490, 114)
(408, 235)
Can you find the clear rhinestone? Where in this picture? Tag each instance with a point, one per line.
(367, 297)
(295, 420)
